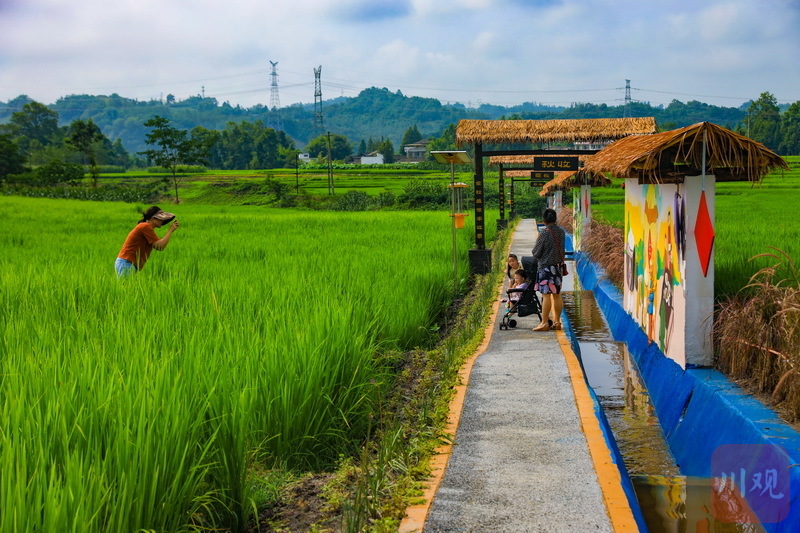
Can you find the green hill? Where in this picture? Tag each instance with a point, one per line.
(375, 113)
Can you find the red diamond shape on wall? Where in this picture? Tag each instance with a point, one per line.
(704, 234)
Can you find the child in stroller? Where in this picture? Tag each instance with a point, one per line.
(522, 299)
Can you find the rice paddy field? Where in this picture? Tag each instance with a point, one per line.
(751, 219)
(258, 338)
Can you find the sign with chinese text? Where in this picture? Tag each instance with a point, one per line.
(556, 163)
(540, 177)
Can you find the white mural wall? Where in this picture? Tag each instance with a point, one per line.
(669, 265)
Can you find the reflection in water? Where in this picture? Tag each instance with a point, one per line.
(670, 502)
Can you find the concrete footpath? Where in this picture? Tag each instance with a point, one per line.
(521, 460)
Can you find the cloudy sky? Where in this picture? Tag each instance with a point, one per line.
(502, 52)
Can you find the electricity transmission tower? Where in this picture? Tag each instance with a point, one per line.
(626, 110)
(274, 99)
(318, 123)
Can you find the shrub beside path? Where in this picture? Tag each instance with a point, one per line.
(528, 455)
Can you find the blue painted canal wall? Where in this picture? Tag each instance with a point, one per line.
(699, 409)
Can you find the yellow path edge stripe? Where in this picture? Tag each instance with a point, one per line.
(414, 519)
(608, 475)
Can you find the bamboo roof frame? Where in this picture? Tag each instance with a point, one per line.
(671, 155)
(545, 131)
(569, 179)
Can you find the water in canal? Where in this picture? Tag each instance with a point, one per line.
(669, 501)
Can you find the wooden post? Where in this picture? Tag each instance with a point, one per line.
(480, 258)
(480, 240)
(502, 223)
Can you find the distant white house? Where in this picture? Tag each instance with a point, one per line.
(375, 158)
(304, 157)
(417, 151)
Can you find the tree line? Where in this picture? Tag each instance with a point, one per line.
(376, 113)
(33, 145)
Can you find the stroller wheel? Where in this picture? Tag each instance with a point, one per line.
(512, 323)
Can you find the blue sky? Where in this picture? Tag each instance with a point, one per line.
(472, 51)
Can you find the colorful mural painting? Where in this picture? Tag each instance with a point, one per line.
(581, 213)
(577, 221)
(655, 264)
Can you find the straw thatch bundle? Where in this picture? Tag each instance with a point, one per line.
(672, 155)
(545, 131)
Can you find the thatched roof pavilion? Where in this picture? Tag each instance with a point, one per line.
(546, 131)
(670, 156)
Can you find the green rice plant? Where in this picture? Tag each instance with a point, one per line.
(255, 338)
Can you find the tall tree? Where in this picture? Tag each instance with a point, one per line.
(35, 125)
(387, 149)
(340, 146)
(174, 148)
(85, 138)
(764, 121)
(790, 130)
(411, 135)
(446, 142)
(11, 160)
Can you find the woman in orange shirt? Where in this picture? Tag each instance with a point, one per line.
(142, 239)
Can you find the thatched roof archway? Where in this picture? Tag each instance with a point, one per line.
(547, 131)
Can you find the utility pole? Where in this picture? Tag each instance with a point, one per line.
(331, 190)
(318, 126)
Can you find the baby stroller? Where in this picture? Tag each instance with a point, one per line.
(528, 303)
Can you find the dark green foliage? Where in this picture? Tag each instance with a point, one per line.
(387, 149)
(174, 147)
(354, 201)
(386, 199)
(11, 160)
(411, 135)
(108, 193)
(447, 141)
(340, 147)
(34, 126)
(54, 173)
(764, 121)
(790, 130)
(424, 194)
(85, 137)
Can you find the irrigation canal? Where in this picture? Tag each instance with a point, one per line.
(669, 501)
(530, 455)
